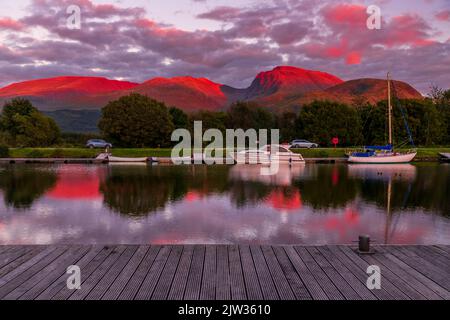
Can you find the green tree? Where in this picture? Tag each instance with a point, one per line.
(286, 123)
(179, 118)
(320, 121)
(136, 121)
(249, 115)
(426, 125)
(209, 119)
(24, 126)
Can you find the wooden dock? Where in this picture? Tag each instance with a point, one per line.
(223, 272)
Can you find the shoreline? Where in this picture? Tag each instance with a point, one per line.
(84, 155)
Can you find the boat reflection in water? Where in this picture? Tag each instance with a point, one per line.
(388, 174)
(310, 204)
(383, 172)
(284, 177)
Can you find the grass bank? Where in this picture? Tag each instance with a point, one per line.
(423, 153)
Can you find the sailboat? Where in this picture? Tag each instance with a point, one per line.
(384, 154)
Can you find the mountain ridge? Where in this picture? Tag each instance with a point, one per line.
(284, 86)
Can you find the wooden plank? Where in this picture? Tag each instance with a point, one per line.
(4, 248)
(194, 282)
(397, 287)
(14, 279)
(346, 290)
(355, 281)
(86, 271)
(108, 279)
(268, 288)
(165, 280)
(89, 283)
(422, 266)
(19, 261)
(444, 248)
(279, 278)
(61, 282)
(124, 277)
(437, 260)
(181, 275)
(12, 254)
(208, 291)
(41, 281)
(138, 277)
(237, 283)
(298, 287)
(327, 285)
(251, 279)
(439, 251)
(313, 287)
(423, 258)
(354, 262)
(150, 281)
(426, 287)
(223, 283)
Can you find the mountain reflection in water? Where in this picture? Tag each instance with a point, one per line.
(302, 204)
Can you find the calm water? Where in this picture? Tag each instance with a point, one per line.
(312, 204)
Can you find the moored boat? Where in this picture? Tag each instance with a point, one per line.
(267, 155)
(385, 154)
(110, 158)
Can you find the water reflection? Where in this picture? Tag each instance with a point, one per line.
(21, 187)
(310, 204)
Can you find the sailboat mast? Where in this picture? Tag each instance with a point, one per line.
(389, 108)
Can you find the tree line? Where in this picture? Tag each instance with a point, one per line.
(139, 121)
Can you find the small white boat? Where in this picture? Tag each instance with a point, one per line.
(385, 154)
(110, 158)
(268, 154)
(445, 156)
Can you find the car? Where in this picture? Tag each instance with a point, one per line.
(299, 143)
(98, 143)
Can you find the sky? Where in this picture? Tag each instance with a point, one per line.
(227, 41)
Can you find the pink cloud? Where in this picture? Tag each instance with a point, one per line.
(353, 58)
(352, 15)
(221, 14)
(443, 15)
(8, 23)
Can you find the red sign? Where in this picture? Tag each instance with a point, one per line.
(335, 141)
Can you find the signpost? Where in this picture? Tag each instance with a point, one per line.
(335, 141)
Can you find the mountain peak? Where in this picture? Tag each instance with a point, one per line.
(292, 79)
(91, 85)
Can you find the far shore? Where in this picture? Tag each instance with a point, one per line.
(424, 154)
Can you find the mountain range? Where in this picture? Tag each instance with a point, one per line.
(282, 88)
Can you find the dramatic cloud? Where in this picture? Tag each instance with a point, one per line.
(124, 42)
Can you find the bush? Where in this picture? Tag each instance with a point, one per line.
(4, 151)
(35, 154)
(57, 153)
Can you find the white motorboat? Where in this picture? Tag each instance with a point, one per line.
(267, 155)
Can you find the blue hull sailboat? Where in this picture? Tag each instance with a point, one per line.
(385, 154)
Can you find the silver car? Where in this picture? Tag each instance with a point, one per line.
(296, 144)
